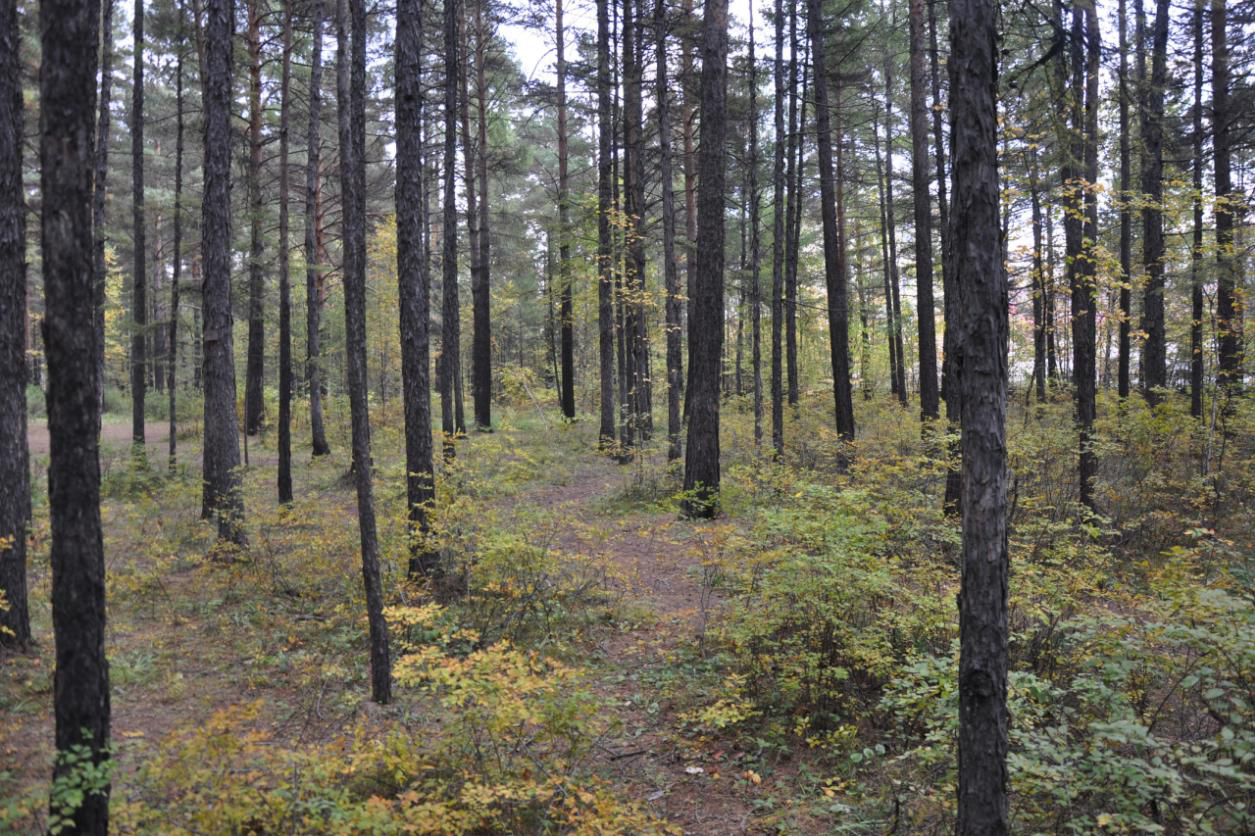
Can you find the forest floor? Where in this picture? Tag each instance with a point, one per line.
(192, 641)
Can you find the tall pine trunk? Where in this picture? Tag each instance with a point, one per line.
(254, 369)
(481, 295)
(671, 277)
(15, 499)
(925, 313)
(981, 360)
(1126, 215)
(701, 455)
(756, 358)
(413, 285)
(285, 301)
(222, 498)
(566, 307)
(1196, 251)
(1154, 350)
(834, 270)
(314, 268)
(1228, 303)
(777, 242)
(351, 90)
(450, 394)
(67, 97)
(177, 276)
(605, 251)
(99, 192)
(139, 286)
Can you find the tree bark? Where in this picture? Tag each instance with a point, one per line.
(285, 301)
(635, 341)
(314, 268)
(793, 222)
(756, 359)
(605, 251)
(15, 499)
(177, 277)
(1228, 301)
(895, 279)
(254, 370)
(981, 360)
(99, 193)
(929, 397)
(1126, 216)
(351, 90)
(1196, 251)
(777, 243)
(449, 351)
(139, 287)
(67, 97)
(566, 308)
(838, 316)
(222, 498)
(701, 460)
(414, 289)
(1154, 350)
(481, 296)
(673, 306)
(1039, 283)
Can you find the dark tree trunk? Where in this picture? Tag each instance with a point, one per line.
(885, 262)
(414, 289)
(895, 280)
(1154, 350)
(1228, 304)
(566, 308)
(671, 277)
(756, 350)
(15, 499)
(834, 268)
(929, 398)
(285, 301)
(313, 267)
(470, 170)
(635, 344)
(793, 223)
(981, 359)
(605, 252)
(177, 277)
(99, 194)
(1196, 252)
(67, 97)
(777, 243)
(254, 370)
(139, 287)
(1039, 276)
(1126, 216)
(949, 376)
(701, 459)
(351, 95)
(481, 296)
(222, 497)
(449, 352)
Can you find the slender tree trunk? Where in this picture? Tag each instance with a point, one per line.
(838, 316)
(254, 371)
(351, 90)
(449, 352)
(414, 290)
(177, 276)
(99, 193)
(1196, 251)
(981, 359)
(1228, 301)
(671, 278)
(701, 461)
(634, 193)
(1039, 285)
(15, 499)
(886, 262)
(793, 223)
(222, 496)
(605, 252)
(929, 397)
(895, 280)
(139, 287)
(566, 312)
(470, 171)
(67, 97)
(285, 293)
(481, 344)
(777, 243)
(756, 351)
(313, 265)
(1126, 216)
(949, 372)
(1154, 350)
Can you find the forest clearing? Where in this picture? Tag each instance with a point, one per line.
(626, 417)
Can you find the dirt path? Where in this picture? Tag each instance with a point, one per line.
(691, 784)
(113, 434)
